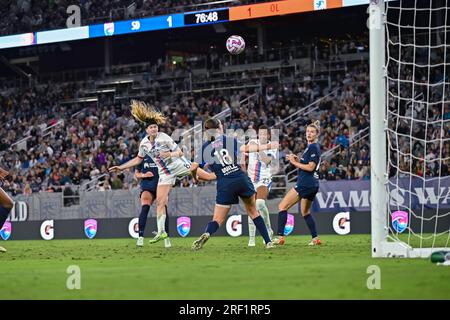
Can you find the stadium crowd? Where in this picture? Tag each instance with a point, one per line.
(47, 145)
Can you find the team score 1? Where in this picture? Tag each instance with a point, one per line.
(246, 309)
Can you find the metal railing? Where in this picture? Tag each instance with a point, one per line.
(91, 184)
(22, 140)
(356, 138)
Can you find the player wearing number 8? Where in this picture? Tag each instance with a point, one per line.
(220, 155)
(259, 171)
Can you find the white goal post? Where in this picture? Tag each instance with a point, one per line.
(409, 127)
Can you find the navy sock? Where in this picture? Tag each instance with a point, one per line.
(3, 215)
(143, 219)
(212, 227)
(282, 220)
(166, 224)
(311, 225)
(261, 226)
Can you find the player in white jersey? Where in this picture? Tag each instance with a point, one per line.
(167, 156)
(260, 172)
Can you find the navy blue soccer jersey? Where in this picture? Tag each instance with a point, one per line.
(221, 156)
(147, 165)
(308, 179)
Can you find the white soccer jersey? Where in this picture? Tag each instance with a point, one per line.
(169, 168)
(257, 170)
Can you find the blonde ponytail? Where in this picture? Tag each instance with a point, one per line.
(146, 114)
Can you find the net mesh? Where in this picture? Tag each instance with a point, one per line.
(418, 122)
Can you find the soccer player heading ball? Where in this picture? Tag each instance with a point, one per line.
(165, 153)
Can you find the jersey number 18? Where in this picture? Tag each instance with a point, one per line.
(224, 157)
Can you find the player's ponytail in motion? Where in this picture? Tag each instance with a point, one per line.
(146, 114)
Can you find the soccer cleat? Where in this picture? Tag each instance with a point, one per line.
(3, 249)
(199, 243)
(167, 243)
(315, 242)
(278, 241)
(251, 242)
(140, 242)
(269, 245)
(159, 237)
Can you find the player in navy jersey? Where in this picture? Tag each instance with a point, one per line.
(220, 155)
(6, 203)
(306, 188)
(147, 171)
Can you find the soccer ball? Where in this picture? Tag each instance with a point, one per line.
(235, 44)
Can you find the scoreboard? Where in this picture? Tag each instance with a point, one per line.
(187, 19)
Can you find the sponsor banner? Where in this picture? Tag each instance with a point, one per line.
(183, 226)
(90, 228)
(351, 196)
(331, 222)
(5, 231)
(47, 231)
(234, 225)
(289, 227)
(399, 221)
(133, 228)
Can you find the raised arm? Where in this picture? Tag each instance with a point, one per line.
(132, 163)
(253, 147)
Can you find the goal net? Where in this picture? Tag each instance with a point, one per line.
(411, 135)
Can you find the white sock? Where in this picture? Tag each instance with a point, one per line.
(264, 211)
(251, 228)
(161, 221)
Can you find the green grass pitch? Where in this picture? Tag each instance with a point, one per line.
(225, 269)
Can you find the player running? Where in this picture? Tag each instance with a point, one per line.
(220, 155)
(6, 203)
(167, 156)
(259, 171)
(306, 188)
(148, 173)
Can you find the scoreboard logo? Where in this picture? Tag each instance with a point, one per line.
(108, 28)
(133, 228)
(289, 227)
(341, 223)
(320, 4)
(47, 231)
(90, 228)
(6, 230)
(183, 226)
(234, 225)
